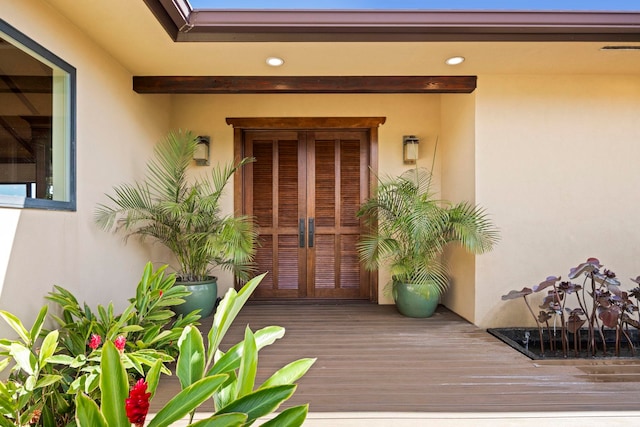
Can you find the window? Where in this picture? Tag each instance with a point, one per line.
(37, 125)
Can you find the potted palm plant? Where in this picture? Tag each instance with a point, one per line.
(185, 216)
(410, 229)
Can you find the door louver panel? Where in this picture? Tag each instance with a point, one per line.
(325, 188)
(306, 187)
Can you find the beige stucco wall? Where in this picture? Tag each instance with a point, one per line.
(456, 147)
(116, 130)
(406, 115)
(556, 165)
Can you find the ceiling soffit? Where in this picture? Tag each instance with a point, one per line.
(185, 25)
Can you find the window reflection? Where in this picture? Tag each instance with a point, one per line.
(35, 122)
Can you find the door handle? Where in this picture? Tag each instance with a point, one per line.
(301, 242)
(311, 231)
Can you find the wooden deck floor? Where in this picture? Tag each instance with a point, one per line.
(371, 359)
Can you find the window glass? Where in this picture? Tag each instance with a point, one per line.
(37, 109)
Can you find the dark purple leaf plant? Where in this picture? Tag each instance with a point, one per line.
(598, 305)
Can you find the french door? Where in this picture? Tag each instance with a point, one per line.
(304, 191)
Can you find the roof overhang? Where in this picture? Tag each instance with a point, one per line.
(184, 24)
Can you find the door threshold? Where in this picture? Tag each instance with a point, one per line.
(308, 301)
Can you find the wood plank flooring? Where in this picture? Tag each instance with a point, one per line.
(372, 359)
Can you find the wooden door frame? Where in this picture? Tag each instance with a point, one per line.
(370, 124)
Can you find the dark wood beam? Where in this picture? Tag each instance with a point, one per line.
(306, 84)
(26, 84)
(305, 122)
(8, 126)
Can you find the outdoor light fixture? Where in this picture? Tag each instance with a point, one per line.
(275, 61)
(201, 153)
(410, 149)
(454, 60)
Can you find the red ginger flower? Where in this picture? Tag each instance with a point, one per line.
(119, 342)
(137, 404)
(94, 341)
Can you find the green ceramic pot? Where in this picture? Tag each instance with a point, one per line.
(412, 303)
(203, 297)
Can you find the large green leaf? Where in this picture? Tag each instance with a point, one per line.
(6, 422)
(7, 402)
(231, 359)
(144, 282)
(131, 328)
(160, 315)
(227, 393)
(224, 420)
(132, 363)
(227, 311)
(46, 380)
(292, 417)
(153, 377)
(88, 414)
(61, 359)
(37, 325)
(248, 364)
(16, 325)
(4, 363)
(191, 361)
(114, 386)
(290, 373)
(24, 358)
(48, 347)
(187, 400)
(261, 402)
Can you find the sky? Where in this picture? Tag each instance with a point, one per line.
(522, 5)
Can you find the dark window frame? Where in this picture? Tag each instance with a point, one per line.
(33, 203)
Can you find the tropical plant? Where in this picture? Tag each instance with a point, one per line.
(184, 215)
(148, 322)
(411, 228)
(204, 373)
(44, 379)
(46, 374)
(601, 306)
(30, 390)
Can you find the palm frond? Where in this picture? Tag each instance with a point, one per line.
(472, 227)
(183, 214)
(411, 229)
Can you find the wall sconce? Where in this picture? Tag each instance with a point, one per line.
(201, 153)
(410, 149)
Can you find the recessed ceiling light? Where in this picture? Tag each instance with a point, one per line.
(274, 61)
(454, 60)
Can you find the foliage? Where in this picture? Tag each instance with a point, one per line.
(33, 379)
(148, 321)
(601, 306)
(185, 217)
(412, 227)
(45, 377)
(204, 373)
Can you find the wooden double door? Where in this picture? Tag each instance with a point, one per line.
(304, 191)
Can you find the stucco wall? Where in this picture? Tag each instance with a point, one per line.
(556, 164)
(116, 130)
(406, 115)
(457, 149)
